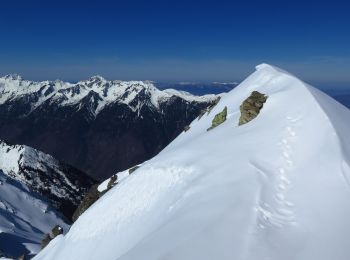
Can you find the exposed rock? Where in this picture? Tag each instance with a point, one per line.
(251, 107)
(219, 119)
(94, 194)
(203, 111)
(112, 182)
(90, 197)
(57, 230)
(46, 240)
(209, 108)
(186, 128)
(212, 105)
(132, 169)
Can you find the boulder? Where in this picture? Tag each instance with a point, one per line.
(251, 107)
(186, 128)
(57, 230)
(218, 119)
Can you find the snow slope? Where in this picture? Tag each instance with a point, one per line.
(25, 217)
(275, 188)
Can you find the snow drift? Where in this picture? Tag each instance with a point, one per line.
(275, 188)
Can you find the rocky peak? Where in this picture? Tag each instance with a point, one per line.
(96, 79)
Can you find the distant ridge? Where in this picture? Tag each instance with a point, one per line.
(96, 125)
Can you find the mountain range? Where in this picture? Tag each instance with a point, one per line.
(96, 125)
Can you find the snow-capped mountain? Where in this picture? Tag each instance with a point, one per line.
(62, 185)
(276, 187)
(199, 88)
(97, 125)
(96, 91)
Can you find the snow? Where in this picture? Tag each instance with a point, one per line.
(9, 157)
(274, 188)
(24, 218)
(121, 176)
(187, 96)
(103, 186)
(14, 157)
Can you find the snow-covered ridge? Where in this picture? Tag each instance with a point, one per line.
(274, 188)
(13, 158)
(98, 89)
(25, 217)
(60, 183)
(35, 189)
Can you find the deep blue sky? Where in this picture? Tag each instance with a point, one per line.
(174, 40)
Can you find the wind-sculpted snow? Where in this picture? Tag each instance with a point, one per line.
(274, 188)
(167, 180)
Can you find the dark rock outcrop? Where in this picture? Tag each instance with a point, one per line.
(112, 181)
(94, 194)
(90, 197)
(213, 104)
(132, 169)
(209, 108)
(46, 240)
(56, 230)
